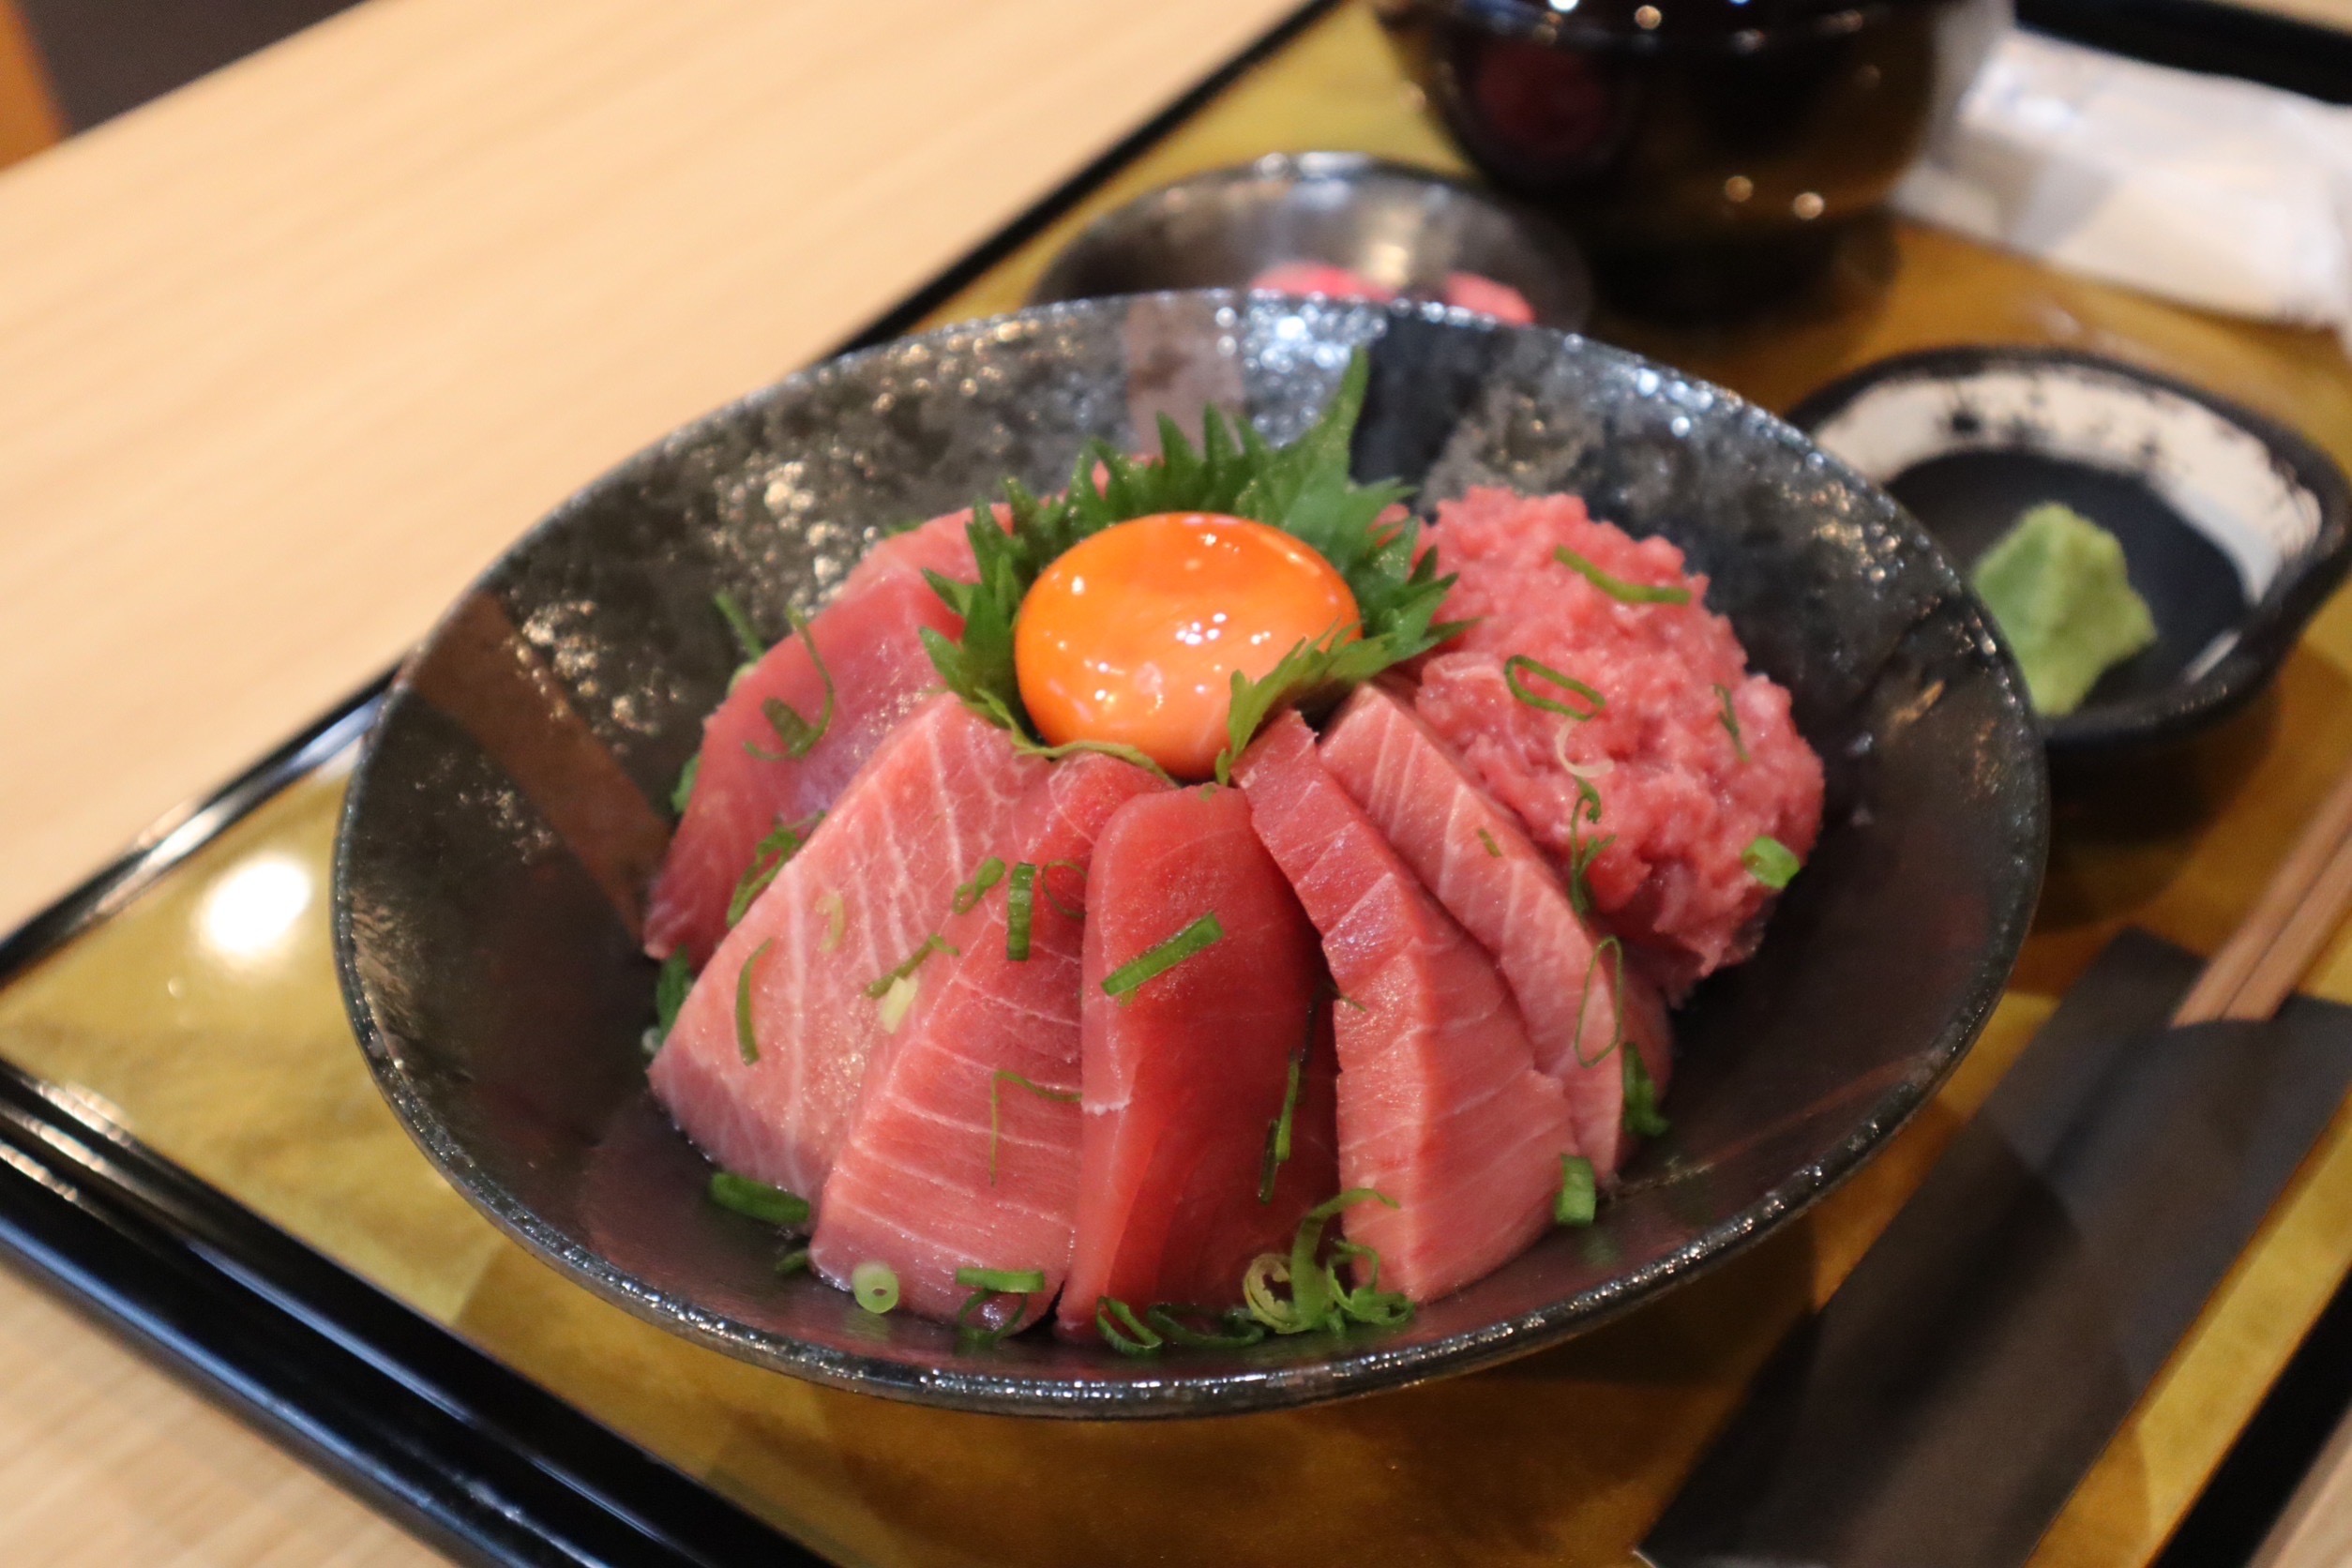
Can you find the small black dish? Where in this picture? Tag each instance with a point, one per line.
(1402, 227)
(2234, 528)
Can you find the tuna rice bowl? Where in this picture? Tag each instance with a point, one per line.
(938, 881)
(1209, 903)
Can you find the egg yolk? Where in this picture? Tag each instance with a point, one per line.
(1133, 634)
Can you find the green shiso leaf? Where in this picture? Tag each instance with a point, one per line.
(1302, 489)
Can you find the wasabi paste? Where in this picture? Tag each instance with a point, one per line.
(2056, 583)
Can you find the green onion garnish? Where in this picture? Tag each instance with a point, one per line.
(1732, 722)
(1044, 886)
(757, 1200)
(1515, 672)
(683, 792)
(1020, 909)
(836, 915)
(1279, 1134)
(794, 1261)
(1771, 862)
(875, 1285)
(747, 636)
(987, 1283)
(1617, 587)
(1123, 981)
(997, 1081)
(897, 1003)
(1580, 1196)
(1116, 1321)
(1234, 1329)
(1641, 1097)
(1489, 839)
(768, 857)
(1317, 1299)
(745, 1041)
(1616, 950)
(985, 876)
(795, 733)
(932, 943)
(670, 992)
(1582, 852)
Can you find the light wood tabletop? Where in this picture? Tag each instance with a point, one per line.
(290, 354)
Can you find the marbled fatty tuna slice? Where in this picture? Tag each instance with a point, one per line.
(1473, 855)
(1185, 1080)
(873, 885)
(870, 640)
(1441, 1107)
(923, 1184)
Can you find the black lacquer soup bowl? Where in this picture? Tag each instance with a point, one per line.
(512, 802)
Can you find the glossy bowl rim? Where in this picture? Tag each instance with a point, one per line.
(1355, 1368)
(2156, 720)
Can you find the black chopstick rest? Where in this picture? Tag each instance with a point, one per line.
(1946, 1402)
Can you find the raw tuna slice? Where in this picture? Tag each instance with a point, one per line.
(1472, 854)
(872, 886)
(1187, 1078)
(869, 637)
(962, 1156)
(1441, 1107)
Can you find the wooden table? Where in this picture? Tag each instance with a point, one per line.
(287, 356)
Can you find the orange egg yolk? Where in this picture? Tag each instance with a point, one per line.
(1132, 635)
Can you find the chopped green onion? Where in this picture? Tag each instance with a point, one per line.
(1641, 1098)
(1317, 1299)
(1020, 909)
(997, 1081)
(836, 915)
(1617, 587)
(1580, 1196)
(670, 992)
(1515, 672)
(1235, 1332)
(747, 636)
(1616, 950)
(1116, 1321)
(757, 1200)
(1730, 718)
(1771, 862)
(1489, 839)
(768, 857)
(932, 943)
(795, 733)
(683, 792)
(875, 1285)
(1123, 981)
(897, 1003)
(985, 876)
(1044, 886)
(1582, 852)
(986, 1284)
(794, 1261)
(745, 1040)
(1279, 1134)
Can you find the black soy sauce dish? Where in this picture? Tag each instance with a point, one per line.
(2234, 528)
(511, 801)
(1403, 228)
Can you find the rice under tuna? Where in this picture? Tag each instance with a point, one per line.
(1680, 803)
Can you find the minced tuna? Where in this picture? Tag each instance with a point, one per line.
(1691, 758)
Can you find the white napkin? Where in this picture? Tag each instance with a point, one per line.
(2206, 190)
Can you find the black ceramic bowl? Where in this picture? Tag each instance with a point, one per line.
(1706, 151)
(506, 812)
(2233, 529)
(1405, 229)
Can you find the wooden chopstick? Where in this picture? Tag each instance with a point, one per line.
(2301, 906)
